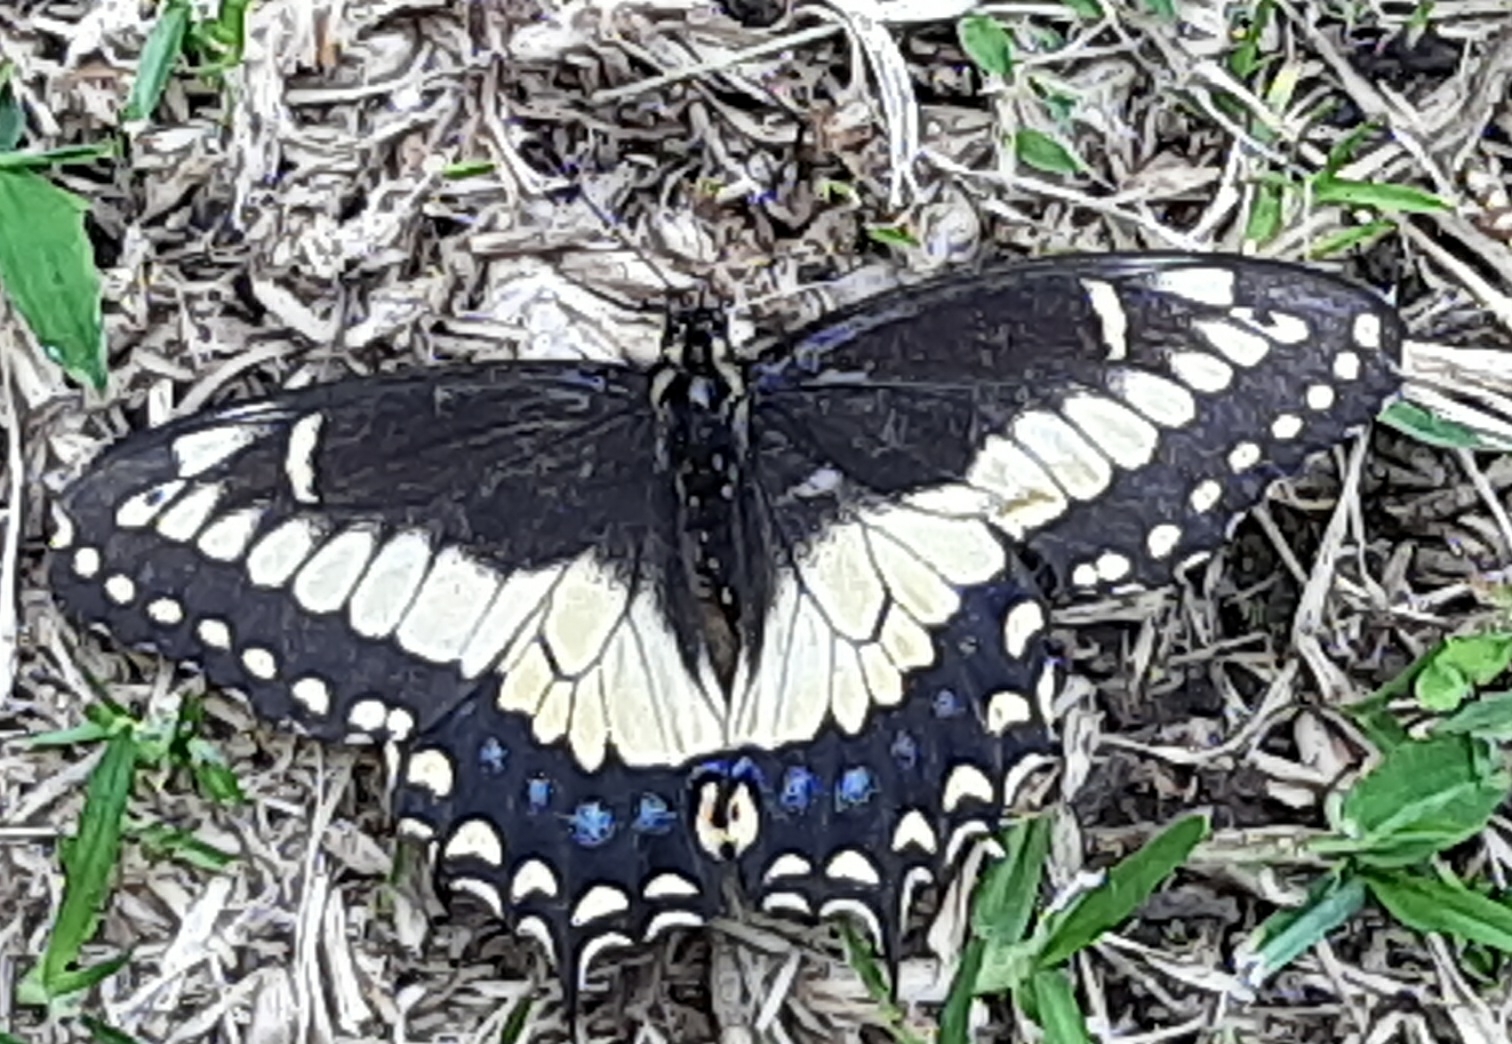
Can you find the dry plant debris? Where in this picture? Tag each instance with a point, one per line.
(365, 186)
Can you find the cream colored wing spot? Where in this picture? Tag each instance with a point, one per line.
(199, 451)
(1006, 709)
(597, 903)
(1075, 463)
(907, 644)
(851, 865)
(481, 890)
(327, 579)
(850, 699)
(430, 770)
(1162, 540)
(837, 572)
(226, 539)
(313, 694)
(260, 662)
(139, 510)
(588, 733)
(1346, 366)
(1205, 496)
(1201, 371)
(1125, 436)
(275, 557)
(525, 680)
(1202, 285)
(1320, 397)
(1028, 497)
(367, 715)
(64, 532)
(389, 585)
(914, 831)
(522, 596)
(1239, 346)
(1022, 625)
(1112, 567)
(669, 885)
(299, 461)
(87, 563)
(786, 902)
(552, 717)
(120, 589)
(447, 607)
(533, 877)
(1286, 427)
(188, 515)
(214, 633)
(1111, 317)
(1160, 399)
(966, 782)
(1281, 327)
(951, 500)
(788, 864)
(912, 583)
(586, 607)
(165, 611)
(668, 920)
(1366, 330)
(475, 839)
(1243, 457)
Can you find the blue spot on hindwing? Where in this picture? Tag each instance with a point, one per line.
(857, 786)
(538, 793)
(492, 756)
(947, 704)
(905, 751)
(800, 788)
(592, 824)
(653, 815)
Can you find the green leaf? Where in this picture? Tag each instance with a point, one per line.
(892, 235)
(12, 116)
(45, 158)
(1264, 221)
(85, 732)
(1489, 717)
(1056, 1009)
(986, 43)
(1425, 426)
(47, 269)
(1127, 886)
(1349, 238)
(1376, 195)
(1286, 935)
(514, 1026)
(955, 1017)
(161, 841)
(1090, 10)
(1246, 60)
(1004, 902)
(164, 46)
(1460, 666)
(468, 169)
(1444, 905)
(1042, 152)
(1344, 150)
(1424, 796)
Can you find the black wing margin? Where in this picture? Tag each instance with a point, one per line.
(1111, 413)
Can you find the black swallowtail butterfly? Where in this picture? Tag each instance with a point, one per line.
(633, 631)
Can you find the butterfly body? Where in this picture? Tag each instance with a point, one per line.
(634, 631)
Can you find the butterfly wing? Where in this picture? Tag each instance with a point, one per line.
(1109, 414)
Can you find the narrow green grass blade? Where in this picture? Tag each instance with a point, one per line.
(1411, 419)
(955, 1017)
(1128, 885)
(47, 269)
(1428, 904)
(1004, 902)
(1056, 1008)
(45, 158)
(1380, 196)
(161, 52)
(12, 116)
(1285, 936)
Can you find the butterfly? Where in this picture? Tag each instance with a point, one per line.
(775, 620)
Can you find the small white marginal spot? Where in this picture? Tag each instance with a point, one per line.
(914, 830)
(1241, 347)
(409, 826)
(669, 886)
(1023, 622)
(430, 770)
(966, 781)
(214, 633)
(1046, 689)
(165, 611)
(86, 563)
(1206, 496)
(789, 864)
(368, 715)
(1112, 567)
(313, 693)
(399, 724)
(1204, 284)
(259, 662)
(120, 588)
(1163, 540)
(1103, 297)
(1006, 709)
(135, 512)
(199, 451)
(1367, 330)
(187, 517)
(599, 902)
(851, 865)
(1201, 371)
(475, 839)
(1320, 397)
(226, 539)
(299, 462)
(1243, 457)
(534, 928)
(532, 876)
(1084, 575)
(1286, 427)
(63, 530)
(1346, 366)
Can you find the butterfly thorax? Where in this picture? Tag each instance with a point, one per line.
(698, 396)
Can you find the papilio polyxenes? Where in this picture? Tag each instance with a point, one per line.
(630, 630)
